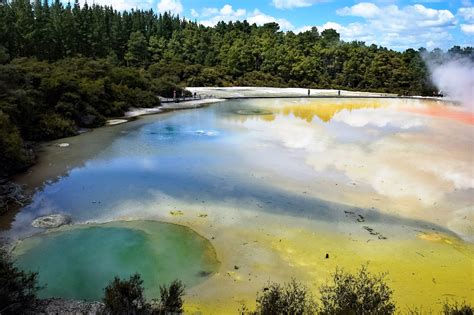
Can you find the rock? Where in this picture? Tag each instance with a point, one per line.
(204, 273)
(11, 193)
(61, 306)
(51, 221)
(112, 122)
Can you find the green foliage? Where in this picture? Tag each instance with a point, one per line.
(227, 54)
(457, 309)
(171, 299)
(4, 56)
(18, 288)
(52, 126)
(361, 293)
(125, 296)
(42, 101)
(137, 52)
(13, 155)
(291, 298)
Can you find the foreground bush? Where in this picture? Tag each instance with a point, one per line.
(291, 298)
(127, 297)
(457, 309)
(17, 288)
(360, 293)
(171, 299)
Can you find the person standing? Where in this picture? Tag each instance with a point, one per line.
(309, 92)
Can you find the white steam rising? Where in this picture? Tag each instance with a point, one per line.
(455, 79)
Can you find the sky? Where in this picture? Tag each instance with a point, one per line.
(397, 24)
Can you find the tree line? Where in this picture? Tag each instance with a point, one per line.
(66, 67)
(226, 54)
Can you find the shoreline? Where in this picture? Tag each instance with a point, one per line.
(131, 115)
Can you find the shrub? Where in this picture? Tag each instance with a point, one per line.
(362, 293)
(171, 299)
(291, 298)
(125, 296)
(53, 126)
(457, 309)
(13, 155)
(18, 288)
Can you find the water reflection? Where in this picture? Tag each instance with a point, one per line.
(371, 154)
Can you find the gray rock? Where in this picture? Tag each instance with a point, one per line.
(61, 306)
(51, 221)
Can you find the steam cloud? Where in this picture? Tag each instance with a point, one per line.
(455, 79)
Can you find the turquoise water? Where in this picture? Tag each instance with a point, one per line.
(78, 263)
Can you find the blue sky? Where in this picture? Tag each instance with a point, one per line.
(395, 24)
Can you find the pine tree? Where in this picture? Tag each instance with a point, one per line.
(137, 52)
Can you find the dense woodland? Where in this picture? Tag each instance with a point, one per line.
(65, 67)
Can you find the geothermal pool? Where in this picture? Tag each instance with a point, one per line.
(78, 262)
(262, 190)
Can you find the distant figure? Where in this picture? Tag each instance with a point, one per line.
(309, 92)
(174, 94)
(194, 94)
(339, 93)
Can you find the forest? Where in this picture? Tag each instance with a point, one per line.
(67, 67)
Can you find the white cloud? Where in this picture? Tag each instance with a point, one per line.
(466, 13)
(380, 119)
(227, 13)
(226, 10)
(260, 18)
(467, 28)
(194, 13)
(393, 17)
(363, 9)
(302, 29)
(397, 27)
(173, 6)
(209, 11)
(401, 172)
(288, 4)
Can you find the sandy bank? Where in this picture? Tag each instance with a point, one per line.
(135, 112)
(239, 92)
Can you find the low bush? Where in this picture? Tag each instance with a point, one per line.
(360, 293)
(17, 288)
(127, 297)
(291, 298)
(457, 308)
(171, 299)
